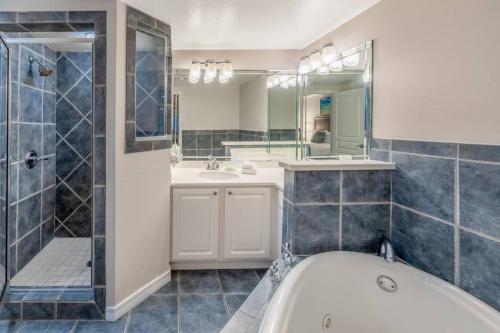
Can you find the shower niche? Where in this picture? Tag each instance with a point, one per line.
(51, 169)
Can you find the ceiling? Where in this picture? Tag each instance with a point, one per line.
(250, 24)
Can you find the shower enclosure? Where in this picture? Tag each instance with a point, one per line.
(48, 77)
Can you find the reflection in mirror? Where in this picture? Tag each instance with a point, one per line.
(282, 110)
(150, 85)
(222, 119)
(337, 110)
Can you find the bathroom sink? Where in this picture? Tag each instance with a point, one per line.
(217, 175)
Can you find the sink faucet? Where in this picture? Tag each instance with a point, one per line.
(213, 164)
(386, 250)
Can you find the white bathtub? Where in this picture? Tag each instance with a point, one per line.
(343, 286)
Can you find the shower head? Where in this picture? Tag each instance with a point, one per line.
(42, 70)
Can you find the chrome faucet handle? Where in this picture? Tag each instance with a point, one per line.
(274, 271)
(386, 250)
(286, 255)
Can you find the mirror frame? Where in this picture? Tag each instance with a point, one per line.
(138, 21)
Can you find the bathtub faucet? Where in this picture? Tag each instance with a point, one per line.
(386, 250)
(286, 255)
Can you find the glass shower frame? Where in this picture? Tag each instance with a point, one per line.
(6, 160)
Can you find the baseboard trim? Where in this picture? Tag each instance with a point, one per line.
(220, 264)
(115, 312)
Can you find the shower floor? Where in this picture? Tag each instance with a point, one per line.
(62, 263)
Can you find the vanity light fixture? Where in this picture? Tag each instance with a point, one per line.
(320, 61)
(209, 70)
(323, 70)
(337, 66)
(281, 80)
(315, 60)
(304, 66)
(328, 54)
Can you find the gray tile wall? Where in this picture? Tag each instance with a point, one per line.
(32, 127)
(73, 214)
(446, 211)
(336, 210)
(201, 143)
(80, 21)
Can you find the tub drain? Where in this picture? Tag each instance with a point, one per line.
(386, 283)
(327, 323)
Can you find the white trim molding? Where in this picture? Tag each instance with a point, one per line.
(115, 312)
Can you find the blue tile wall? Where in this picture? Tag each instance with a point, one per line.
(439, 207)
(425, 183)
(22, 249)
(73, 217)
(323, 210)
(446, 216)
(201, 143)
(32, 125)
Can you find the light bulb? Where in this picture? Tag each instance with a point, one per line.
(283, 78)
(227, 69)
(337, 66)
(193, 79)
(269, 82)
(223, 78)
(304, 66)
(195, 70)
(315, 61)
(211, 70)
(276, 80)
(328, 54)
(323, 70)
(352, 60)
(207, 78)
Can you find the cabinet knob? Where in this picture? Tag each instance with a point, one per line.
(229, 192)
(215, 193)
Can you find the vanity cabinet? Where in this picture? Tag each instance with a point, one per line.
(247, 232)
(224, 227)
(195, 229)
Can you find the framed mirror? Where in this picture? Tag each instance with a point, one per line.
(149, 84)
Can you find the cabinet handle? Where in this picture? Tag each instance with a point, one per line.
(229, 193)
(215, 193)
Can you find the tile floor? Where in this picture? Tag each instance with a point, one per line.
(193, 302)
(62, 263)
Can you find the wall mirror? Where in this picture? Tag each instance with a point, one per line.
(149, 111)
(335, 108)
(270, 115)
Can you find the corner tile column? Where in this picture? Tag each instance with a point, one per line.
(336, 210)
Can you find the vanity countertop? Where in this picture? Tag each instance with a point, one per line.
(258, 143)
(323, 165)
(273, 176)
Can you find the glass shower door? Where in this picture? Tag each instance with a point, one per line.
(4, 162)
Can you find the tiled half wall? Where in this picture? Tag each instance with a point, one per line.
(440, 207)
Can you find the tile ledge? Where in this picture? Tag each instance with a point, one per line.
(324, 165)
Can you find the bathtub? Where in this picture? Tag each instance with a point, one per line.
(349, 292)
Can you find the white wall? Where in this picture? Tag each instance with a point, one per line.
(209, 107)
(435, 72)
(282, 108)
(137, 193)
(142, 199)
(253, 105)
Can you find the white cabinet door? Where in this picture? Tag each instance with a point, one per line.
(195, 224)
(248, 215)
